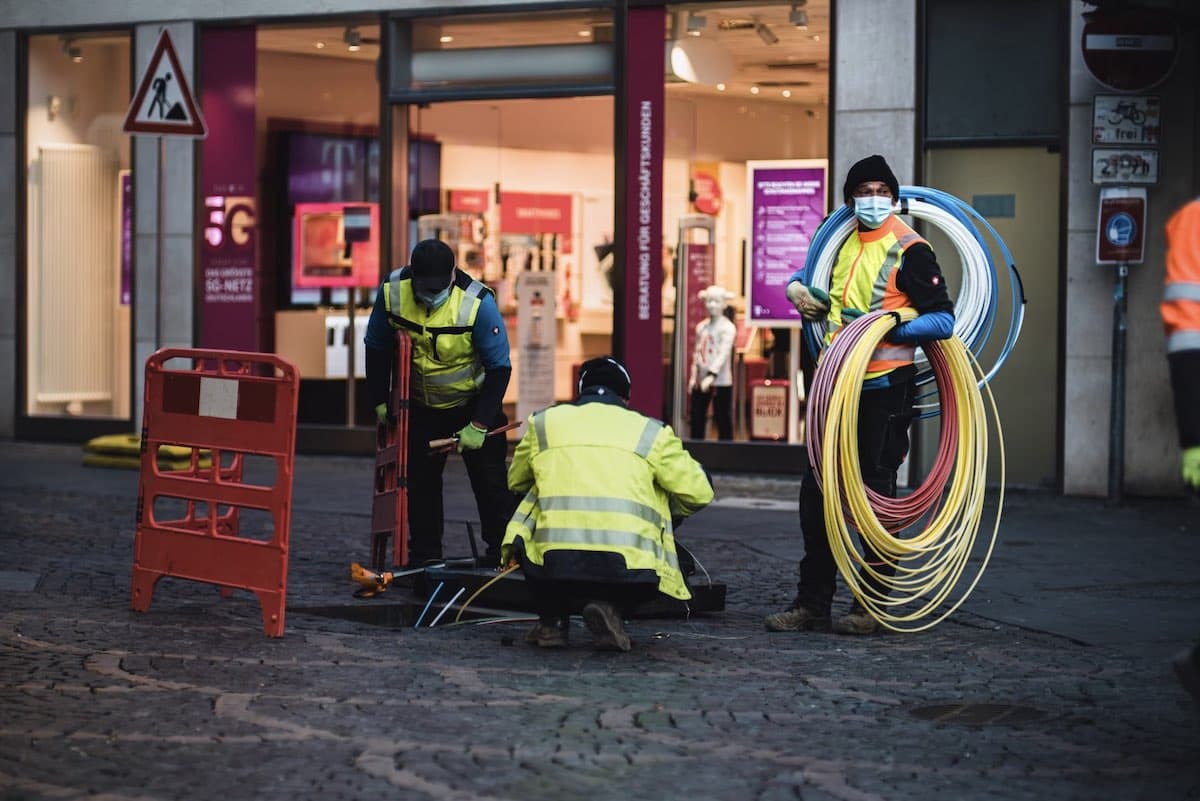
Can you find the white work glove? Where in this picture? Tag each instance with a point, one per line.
(812, 303)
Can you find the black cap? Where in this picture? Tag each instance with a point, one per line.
(432, 264)
(606, 372)
(872, 168)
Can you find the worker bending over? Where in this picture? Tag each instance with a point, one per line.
(883, 265)
(602, 484)
(460, 370)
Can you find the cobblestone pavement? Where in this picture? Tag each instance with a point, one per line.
(1050, 683)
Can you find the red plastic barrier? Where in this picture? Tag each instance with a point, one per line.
(234, 404)
(389, 508)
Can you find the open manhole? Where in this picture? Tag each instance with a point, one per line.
(979, 714)
(402, 615)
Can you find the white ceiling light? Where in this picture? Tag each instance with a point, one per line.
(446, 39)
(353, 39)
(700, 61)
(787, 92)
(720, 87)
(695, 24)
(753, 90)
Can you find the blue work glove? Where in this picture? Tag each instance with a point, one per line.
(1191, 467)
(471, 438)
(933, 325)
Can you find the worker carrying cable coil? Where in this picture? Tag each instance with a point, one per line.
(884, 266)
(605, 488)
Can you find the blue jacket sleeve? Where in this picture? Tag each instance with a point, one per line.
(379, 331)
(933, 325)
(489, 336)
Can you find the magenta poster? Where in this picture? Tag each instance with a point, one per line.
(641, 254)
(699, 266)
(229, 250)
(126, 237)
(787, 204)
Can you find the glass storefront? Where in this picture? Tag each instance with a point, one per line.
(79, 222)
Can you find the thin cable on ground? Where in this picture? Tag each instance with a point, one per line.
(428, 604)
(461, 590)
(477, 592)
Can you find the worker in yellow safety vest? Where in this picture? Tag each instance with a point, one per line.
(884, 264)
(595, 530)
(459, 372)
(1181, 319)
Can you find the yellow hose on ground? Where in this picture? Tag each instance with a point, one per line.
(924, 568)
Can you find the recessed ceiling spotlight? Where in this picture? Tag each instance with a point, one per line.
(720, 87)
(787, 92)
(446, 39)
(753, 90)
(816, 37)
(583, 34)
(319, 44)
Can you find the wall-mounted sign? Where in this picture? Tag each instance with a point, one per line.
(1129, 51)
(535, 213)
(335, 245)
(768, 409)
(787, 204)
(468, 201)
(1115, 165)
(163, 102)
(1121, 228)
(1125, 120)
(537, 333)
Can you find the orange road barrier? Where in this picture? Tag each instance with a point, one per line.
(389, 507)
(192, 523)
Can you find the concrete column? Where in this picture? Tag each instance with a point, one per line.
(163, 312)
(875, 89)
(8, 232)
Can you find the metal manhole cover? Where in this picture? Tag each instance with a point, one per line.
(966, 714)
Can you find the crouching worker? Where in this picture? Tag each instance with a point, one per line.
(594, 530)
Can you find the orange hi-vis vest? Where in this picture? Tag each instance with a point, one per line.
(1181, 293)
(864, 278)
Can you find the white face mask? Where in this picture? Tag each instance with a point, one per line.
(873, 210)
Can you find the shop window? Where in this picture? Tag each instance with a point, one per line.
(79, 226)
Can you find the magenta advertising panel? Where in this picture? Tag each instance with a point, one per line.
(699, 266)
(228, 254)
(335, 245)
(326, 169)
(787, 204)
(126, 237)
(641, 253)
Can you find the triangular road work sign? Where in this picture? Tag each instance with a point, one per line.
(163, 102)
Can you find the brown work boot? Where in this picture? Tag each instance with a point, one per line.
(549, 633)
(856, 621)
(798, 618)
(604, 622)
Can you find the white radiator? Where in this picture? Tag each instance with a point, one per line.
(72, 224)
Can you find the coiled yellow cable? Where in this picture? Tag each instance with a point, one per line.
(925, 567)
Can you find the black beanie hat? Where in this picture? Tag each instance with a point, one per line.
(432, 263)
(872, 168)
(606, 372)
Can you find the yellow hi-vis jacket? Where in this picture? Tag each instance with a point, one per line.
(864, 278)
(600, 477)
(1181, 293)
(446, 371)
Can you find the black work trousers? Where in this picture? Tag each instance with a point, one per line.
(722, 403)
(884, 416)
(554, 599)
(485, 469)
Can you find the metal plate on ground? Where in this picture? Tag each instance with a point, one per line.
(510, 592)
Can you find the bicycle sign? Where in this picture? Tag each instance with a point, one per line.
(1112, 165)
(1125, 120)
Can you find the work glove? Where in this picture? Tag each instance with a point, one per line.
(706, 383)
(811, 302)
(381, 414)
(1191, 467)
(471, 438)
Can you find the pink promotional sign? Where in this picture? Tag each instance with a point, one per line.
(787, 204)
(535, 213)
(639, 254)
(468, 201)
(335, 245)
(228, 174)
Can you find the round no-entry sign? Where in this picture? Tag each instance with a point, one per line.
(1129, 52)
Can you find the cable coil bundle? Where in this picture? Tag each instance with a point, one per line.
(919, 572)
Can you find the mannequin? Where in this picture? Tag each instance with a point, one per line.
(712, 374)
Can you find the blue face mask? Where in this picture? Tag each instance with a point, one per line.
(435, 301)
(873, 210)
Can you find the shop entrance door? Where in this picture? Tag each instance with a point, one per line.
(1017, 189)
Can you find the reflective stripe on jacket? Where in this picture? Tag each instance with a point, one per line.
(599, 477)
(446, 371)
(1181, 293)
(864, 278)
